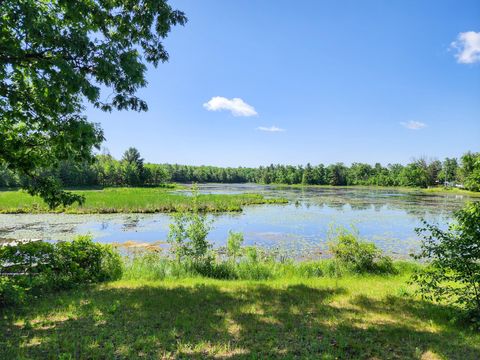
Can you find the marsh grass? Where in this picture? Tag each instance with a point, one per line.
(153, 266)
(133, 200)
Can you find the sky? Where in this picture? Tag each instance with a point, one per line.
(251, 83)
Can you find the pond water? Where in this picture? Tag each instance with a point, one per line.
(300, 228)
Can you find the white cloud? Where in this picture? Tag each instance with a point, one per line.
(414, 125)
(237, 106)
(468, 47)
(270, 129)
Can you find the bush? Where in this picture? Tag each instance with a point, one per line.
(28, 265)
(188, 233)
(357, 255)
(234, 244)
(452, 273)
(82, 261)
(10, 292)
(34, 267)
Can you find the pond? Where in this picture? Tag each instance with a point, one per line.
(387, 217)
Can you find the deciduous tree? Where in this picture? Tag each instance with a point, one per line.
(55, 56)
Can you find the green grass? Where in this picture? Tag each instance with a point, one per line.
(132, 200)
(353, 317)
(455, 191)
(148, 264)
(437, 190)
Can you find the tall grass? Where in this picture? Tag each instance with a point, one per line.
(351, 255)
(132, 200)
(155, 266)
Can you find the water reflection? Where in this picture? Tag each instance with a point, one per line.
(387, 217)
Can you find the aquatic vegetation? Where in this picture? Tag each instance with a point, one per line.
(385, 217)
(192, 255)
(133, 200)
(265, 306)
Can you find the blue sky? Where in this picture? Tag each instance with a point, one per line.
(339, 81)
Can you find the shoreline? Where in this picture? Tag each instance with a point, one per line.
(405, 189)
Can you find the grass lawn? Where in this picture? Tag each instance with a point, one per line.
(368, 317)
(132, 200)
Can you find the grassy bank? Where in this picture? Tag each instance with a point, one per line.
(264, 307)
(435, 190)
(132, 200)
(455, 191)
(353, 317)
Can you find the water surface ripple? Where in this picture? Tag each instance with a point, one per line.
(386, 216)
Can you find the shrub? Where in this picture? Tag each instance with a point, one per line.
(34, 267)
(234, 244)
(357, 255)
(83, 261)
(188, 233)
(31, 257)
(10, 292)
(453, 261)
(28, 265)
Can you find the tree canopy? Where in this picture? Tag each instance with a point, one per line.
(57, 55)
(131, 170)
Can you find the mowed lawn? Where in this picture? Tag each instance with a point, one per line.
(133, 200)
(367, 317)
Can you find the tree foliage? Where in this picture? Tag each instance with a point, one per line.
(57, 55)
(132, 171)
(470, 171)
(453, 270)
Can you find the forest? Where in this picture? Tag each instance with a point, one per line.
(132, 170)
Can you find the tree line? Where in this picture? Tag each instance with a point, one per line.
(131, 170)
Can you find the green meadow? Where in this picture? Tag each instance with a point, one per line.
(352, 317)
(133, 200)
